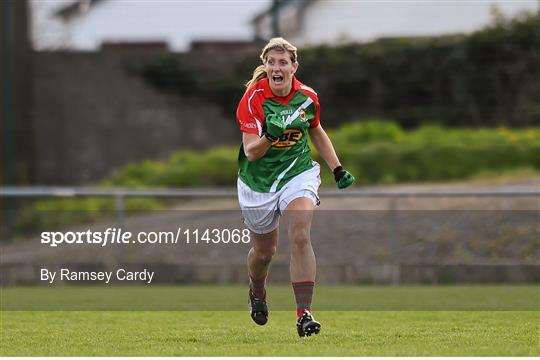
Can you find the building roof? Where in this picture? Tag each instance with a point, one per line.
(76, 8)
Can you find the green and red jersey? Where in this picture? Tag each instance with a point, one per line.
(290, 155)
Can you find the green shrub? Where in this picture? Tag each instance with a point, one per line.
(486, 78)
(375, 151)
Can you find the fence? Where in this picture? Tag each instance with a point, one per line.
(394, 269)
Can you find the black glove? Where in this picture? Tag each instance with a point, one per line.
(343, 177)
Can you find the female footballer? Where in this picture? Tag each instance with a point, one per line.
(277, 176)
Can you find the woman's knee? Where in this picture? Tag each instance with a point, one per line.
(300, 238)
(265, 246)
(265, 254)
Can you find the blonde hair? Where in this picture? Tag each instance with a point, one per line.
(279, 44)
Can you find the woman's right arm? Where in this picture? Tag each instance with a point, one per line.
(254, 146)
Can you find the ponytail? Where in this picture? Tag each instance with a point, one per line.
(258, 74)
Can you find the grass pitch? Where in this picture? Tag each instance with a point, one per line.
(234, 298)
(232, 333)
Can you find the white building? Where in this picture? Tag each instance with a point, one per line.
(306, 22)
(87, 24)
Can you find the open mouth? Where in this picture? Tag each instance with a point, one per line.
(278, 79)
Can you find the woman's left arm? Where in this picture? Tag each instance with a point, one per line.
(324, 146)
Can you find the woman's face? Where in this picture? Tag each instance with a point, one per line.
(280, 70)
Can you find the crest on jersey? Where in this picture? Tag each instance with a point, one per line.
(303, 116)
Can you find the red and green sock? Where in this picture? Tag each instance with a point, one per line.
(303, 292)
(258, 287)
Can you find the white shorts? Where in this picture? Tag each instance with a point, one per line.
(261, 211)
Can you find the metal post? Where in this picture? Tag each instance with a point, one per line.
(7, 93)
(7, 175)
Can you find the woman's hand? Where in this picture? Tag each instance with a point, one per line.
(343, 177)
(275, 126)
(254, 146)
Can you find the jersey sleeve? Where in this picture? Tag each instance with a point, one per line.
(246, 114)
(317, 120)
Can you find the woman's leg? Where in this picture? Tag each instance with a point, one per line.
(258, 260)
(298, 216)
(263, 249)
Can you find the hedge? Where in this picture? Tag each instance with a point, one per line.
(375, 151)
(488, 78)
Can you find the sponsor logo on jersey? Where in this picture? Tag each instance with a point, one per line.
(288, 139)
(286, 112)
